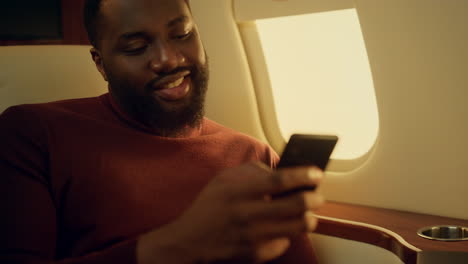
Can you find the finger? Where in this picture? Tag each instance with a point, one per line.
(284, 228)
(251, 180)
(288, 207)
(271, 249)
(284, 180)
(297, 179)
(243, 180)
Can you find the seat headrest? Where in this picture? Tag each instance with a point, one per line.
(37, 74)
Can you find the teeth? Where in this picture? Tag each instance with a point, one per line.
(173, 84)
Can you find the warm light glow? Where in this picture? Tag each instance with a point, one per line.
(321, 78)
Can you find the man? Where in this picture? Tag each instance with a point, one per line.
(139, 175)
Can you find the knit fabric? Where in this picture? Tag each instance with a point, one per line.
(80, 180)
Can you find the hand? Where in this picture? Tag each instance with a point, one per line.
(235, 219)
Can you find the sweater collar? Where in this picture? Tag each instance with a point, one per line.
(126, 118)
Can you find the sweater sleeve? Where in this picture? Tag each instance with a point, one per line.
(28, 226)
(268, 156)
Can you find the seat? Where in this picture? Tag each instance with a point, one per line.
(36, 74)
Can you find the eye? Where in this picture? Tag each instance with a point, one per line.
(135, 50)
(184, 36)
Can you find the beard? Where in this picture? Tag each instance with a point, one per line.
(168, 119)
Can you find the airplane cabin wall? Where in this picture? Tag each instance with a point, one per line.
(418, 51)
(230, 98)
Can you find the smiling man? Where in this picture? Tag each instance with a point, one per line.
(139, 175)
(153, 58)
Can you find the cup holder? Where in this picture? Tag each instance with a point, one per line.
(444, 233)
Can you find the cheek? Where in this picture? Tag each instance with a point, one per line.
(196, 51)
(201, 52)
(130, 72)
(202, 56)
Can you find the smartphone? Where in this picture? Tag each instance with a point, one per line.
(306, 150)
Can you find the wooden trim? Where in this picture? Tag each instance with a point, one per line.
(72, 23)
(31, 42)
(393, 230)
(369, 235)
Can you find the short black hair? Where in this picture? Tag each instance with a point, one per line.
(90, 18)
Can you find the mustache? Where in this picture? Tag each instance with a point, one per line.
(163, 75)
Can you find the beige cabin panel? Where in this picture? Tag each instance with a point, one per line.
(418, 51)
(38, 74)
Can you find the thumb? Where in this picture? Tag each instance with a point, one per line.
(272, 249)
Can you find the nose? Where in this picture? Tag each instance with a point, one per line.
(165, 58)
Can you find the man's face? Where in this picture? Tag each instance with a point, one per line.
(151, 54)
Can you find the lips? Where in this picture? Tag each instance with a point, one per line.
(174, 87)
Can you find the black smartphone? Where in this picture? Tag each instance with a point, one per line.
(307, 150)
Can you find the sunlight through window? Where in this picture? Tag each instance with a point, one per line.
(321, 78)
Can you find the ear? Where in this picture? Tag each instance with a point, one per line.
(97, 58)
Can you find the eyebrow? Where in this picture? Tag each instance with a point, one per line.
(132, 35)
(141, 34)
(177, 20)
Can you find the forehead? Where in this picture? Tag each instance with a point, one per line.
(119, 16)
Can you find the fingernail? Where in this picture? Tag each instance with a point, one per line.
(311, 220)
(320, 201)
(309, 215)
(314, 174)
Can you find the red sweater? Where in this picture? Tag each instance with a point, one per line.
(80, 180)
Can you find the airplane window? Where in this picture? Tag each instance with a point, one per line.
(321, 79)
